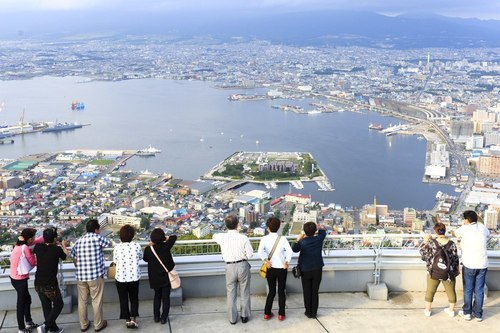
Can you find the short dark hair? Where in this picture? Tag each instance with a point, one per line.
(273, 223)
(127, 233)
(49, 235)
(310, 228)
(471, 216)
(26, 234)
(92, 225)
(158, 236)
(440, 228)
(231, 222)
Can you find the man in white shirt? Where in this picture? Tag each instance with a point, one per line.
(236, 251)
(473, 238)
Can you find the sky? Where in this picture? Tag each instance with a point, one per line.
(482, 9)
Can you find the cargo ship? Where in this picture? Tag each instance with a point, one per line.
(376, 127)
(150, 151)
(62, 127)
(75, 105)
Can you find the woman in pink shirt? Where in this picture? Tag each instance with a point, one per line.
(20, 282)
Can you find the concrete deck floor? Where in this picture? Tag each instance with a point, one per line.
(339, 312)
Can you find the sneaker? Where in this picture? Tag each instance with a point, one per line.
(464, 316)
(269, 316)
(24, 331)
(479, 319)
(427, 313)
(31, 325)
(41, 329)
(132, 324)
(60, 330)
(281, 317)
(449, 312)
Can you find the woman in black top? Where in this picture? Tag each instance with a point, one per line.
(158, 277)
(311, 265)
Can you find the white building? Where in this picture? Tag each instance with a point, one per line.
(491, 218)
(106, 219)
(474, 142)
(201, 231)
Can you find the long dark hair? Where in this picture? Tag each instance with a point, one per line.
(25, 235)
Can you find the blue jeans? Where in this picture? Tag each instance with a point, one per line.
(473, 280)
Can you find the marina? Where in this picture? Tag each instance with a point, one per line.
(297, 184)
(324, 185)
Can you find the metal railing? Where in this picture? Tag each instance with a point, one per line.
(333, 243)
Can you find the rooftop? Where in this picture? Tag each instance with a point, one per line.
(339, 312)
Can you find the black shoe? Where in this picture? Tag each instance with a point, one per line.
(307, 315)
(157, 319)
(244, 320)
(232, 323)
(164, 321)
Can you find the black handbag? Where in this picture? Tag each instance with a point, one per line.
(296, 272)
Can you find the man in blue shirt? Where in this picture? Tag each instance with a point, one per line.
(89, 262)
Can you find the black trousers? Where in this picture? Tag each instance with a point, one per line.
(23, 305)
(276, 275)
(310, 287)
(128, 291)
(162, 296)
(52, 305)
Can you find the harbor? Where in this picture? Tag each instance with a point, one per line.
(176, 136)
(22, 128)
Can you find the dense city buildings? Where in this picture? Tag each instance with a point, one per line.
(449, 98)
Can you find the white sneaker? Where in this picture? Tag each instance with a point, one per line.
(479, 319)
(449, 312)
(41, 329)
(427, 313)
(464, 316)
(61, 330)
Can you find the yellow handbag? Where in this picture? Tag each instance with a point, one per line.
(263, 268)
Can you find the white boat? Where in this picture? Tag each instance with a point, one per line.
(314, 112)
(150, 151)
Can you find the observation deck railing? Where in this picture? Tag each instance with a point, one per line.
(351, 262)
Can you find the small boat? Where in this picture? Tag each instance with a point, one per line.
(377, 127)
(150, 151)
(314, 112)
(6, 141)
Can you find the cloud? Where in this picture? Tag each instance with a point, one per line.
(463, 8)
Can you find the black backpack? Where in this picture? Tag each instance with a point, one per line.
(440, 269)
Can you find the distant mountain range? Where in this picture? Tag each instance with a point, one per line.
(332, 28)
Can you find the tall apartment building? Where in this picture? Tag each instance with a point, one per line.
(491, 138)
(489, 165)
(491, 218)
(483, 115)
(461, 129)
(409, 215)
(474, 142)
